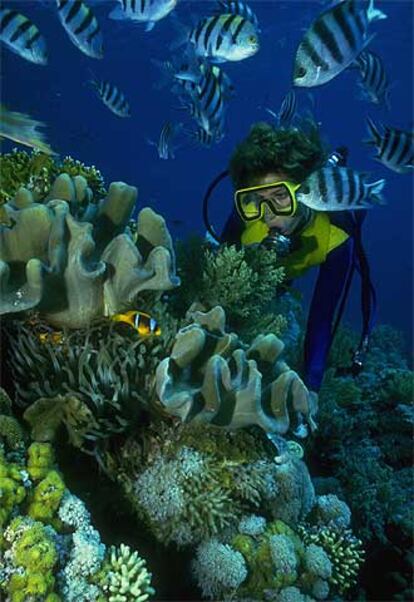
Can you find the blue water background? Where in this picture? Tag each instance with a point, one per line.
(80, 125)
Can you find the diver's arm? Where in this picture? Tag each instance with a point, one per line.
(326, 297)
(232, 230)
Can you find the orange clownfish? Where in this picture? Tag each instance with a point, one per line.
(142, 322)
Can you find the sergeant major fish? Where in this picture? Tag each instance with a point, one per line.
(140, 321)
(333, 41)
(374, 80)
(339, 189)
(395, 147)
(112, 97)
(22, 37)
(225, 38)
(81, 26)
(236, 7)
(287, 110)
(164, 146)
(143, 11)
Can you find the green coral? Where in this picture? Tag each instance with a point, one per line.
(35, 554)
(124, 577)
(343, 549)
(41, 459)
(46, 497)
(37, 172)
(244, 282)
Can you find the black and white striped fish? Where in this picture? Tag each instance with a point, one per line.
(164, 145)
(395, 147)
(225, 38)
(203, 138)
(143, 11)
(374, 80)
(339, 189)
(22, 37)
(287, 110)
(236, 7)
(333, 42)
(81, 26)
(112, 97)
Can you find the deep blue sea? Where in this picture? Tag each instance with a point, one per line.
(79, 124)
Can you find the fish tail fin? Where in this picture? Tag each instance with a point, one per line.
(373, 13)
(373, 131)
(375, 194)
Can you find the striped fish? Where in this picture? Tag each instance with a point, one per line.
(112, 97)
(142, 322)
(287, 110)
(333, 42)
(165, 142)
(203, 138)
(395, 147)
(22, 37)
(143, 11)
(81, 26)
(374, 80)
(235, 7)
(339, 189)
(225, 38)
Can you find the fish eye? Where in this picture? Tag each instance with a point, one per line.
(305, 189)
(252, 39)
(300, 72)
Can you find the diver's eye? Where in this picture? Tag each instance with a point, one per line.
(301, 72)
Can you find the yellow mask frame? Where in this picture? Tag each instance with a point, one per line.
(255, 211)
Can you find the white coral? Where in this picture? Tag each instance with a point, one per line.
(218, 569)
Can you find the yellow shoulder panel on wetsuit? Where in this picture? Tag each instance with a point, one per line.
(316, 240)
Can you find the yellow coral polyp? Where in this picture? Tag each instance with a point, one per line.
(40, 460)
(46, 497)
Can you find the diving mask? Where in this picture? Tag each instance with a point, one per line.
(278, 196)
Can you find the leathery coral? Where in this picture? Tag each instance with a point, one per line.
(210, 376)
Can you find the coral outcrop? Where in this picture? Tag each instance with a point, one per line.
(194, 481)
(278, 563)
(211, 377)
(49, 549)
(74, 260)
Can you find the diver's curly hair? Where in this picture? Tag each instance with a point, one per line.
(297, 152)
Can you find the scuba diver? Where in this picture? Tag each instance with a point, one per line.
(267, 169)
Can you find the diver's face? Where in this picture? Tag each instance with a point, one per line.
(283, 223)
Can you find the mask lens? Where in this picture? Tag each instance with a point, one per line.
(277, 198)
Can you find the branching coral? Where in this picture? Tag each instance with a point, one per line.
(343, 549)
(243, 282)
(210, 377)
(75, 260)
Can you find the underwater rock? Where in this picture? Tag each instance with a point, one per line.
(211, 377)
(74, 260)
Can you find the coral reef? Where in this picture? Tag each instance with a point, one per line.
(190, 482)
(96, 382)
(74, 260)
(278, 563)
(48, 548)
(244, 282)
(37, 171)
(210, 377)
